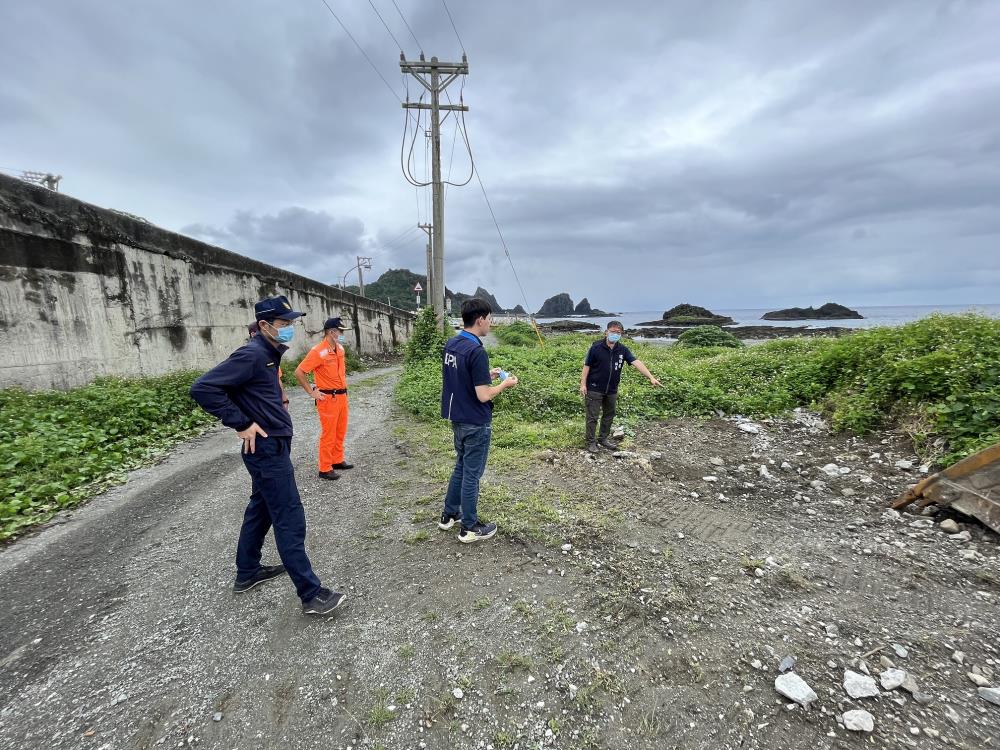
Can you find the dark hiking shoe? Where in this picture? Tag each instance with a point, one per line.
(478, 533)
(343, 466)
(329, 474)
(608, 443)
(447, 521)
(266, 573)
(592, 448)
(323, 603)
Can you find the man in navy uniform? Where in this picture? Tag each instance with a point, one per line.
(244, 392)
(467, 400)
(602, 371)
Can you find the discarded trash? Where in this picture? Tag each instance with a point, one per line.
(970, 487)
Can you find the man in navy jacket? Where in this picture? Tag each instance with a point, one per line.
(467, 400)
(245, 393)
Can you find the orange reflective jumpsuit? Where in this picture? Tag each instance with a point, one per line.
(327, 365)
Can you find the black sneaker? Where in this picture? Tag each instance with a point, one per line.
(608, 443)
(323, 603)
(266, 573)
(329, 474)
(592, 447)
(447, 521)
(478, 533)
(343, 466)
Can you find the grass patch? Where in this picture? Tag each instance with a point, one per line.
(416, 537)
(511, 661)
(58, 448)
(940, 374)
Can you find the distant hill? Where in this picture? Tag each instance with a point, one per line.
(395, 287)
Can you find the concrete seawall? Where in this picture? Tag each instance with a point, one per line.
(86, 291)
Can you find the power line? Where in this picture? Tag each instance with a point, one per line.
(445, 4)
(419, 45)
(362, 51)
(391, 35)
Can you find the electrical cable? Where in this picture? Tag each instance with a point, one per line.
(445, 4)
(391, 35)
(362, 51)
(419, 45)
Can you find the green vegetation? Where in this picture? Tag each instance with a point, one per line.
(516, 334)
(709, 336)
(427, 342)
(60, 447)
(938, 377)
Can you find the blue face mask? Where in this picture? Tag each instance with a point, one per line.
(614, 338)
(285, 335)
(342, 339)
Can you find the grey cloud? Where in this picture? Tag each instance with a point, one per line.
(737, 153)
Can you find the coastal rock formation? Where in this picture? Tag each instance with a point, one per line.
(690, 315)
(584, 308)
(569, 326)
(518, 310)
(829, 311)
(554, 307)
(742, 332)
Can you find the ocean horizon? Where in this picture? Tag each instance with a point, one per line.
(894, 315)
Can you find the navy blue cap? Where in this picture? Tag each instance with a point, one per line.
(335, 323)
(275, 308)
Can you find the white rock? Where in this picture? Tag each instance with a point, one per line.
(859, 686)
(795, 688)
(749, 427)
(764, 472)
(566, 547)
(716, 461)
(785, 466)
(217, 716)
(958, 657)
(892, 678)
(901, 652)
(859, 721)
(581, 626)
(655, 455)
(457, 692)
(904, 464)
(710, 478)
(949, 526)
(990, 694)
(978, 680)
(831, 470)
(964, 536)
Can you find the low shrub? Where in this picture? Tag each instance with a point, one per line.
(709, 336)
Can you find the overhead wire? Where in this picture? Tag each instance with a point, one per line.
(445, 4)
(414, 36)
(391, 35)
(362, 51)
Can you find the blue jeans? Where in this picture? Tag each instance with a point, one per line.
(472, 444)
(275, 503)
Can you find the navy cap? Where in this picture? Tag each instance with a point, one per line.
(275, 308)
(335, 323)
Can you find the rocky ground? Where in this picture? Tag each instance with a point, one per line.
(650, 599)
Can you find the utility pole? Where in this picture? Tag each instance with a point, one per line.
(430, 262)
(442, 74)
(362, 263)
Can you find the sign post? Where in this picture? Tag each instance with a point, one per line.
(418, 289)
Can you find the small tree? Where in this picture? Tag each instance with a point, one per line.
(708, 336)
(428, 340)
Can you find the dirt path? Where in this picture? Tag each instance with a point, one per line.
(660, 626)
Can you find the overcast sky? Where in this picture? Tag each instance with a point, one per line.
(724, 153)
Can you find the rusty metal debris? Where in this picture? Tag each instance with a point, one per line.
(972, 487)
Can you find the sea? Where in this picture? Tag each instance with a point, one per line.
(873, 316)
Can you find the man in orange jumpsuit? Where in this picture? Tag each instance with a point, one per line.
(326, 362)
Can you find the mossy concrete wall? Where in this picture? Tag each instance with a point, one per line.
(86, 291)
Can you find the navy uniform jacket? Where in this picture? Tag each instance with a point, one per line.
(244, 389)
(465, 366)
(606, 366)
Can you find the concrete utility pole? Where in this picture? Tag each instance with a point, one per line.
(430, 262)
(441, 76)
(362, 263)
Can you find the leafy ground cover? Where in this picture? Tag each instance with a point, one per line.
(59, 447)
(938, 379)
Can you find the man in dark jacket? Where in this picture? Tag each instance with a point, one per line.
(244, 392)
(467, 400)
(602, 371)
